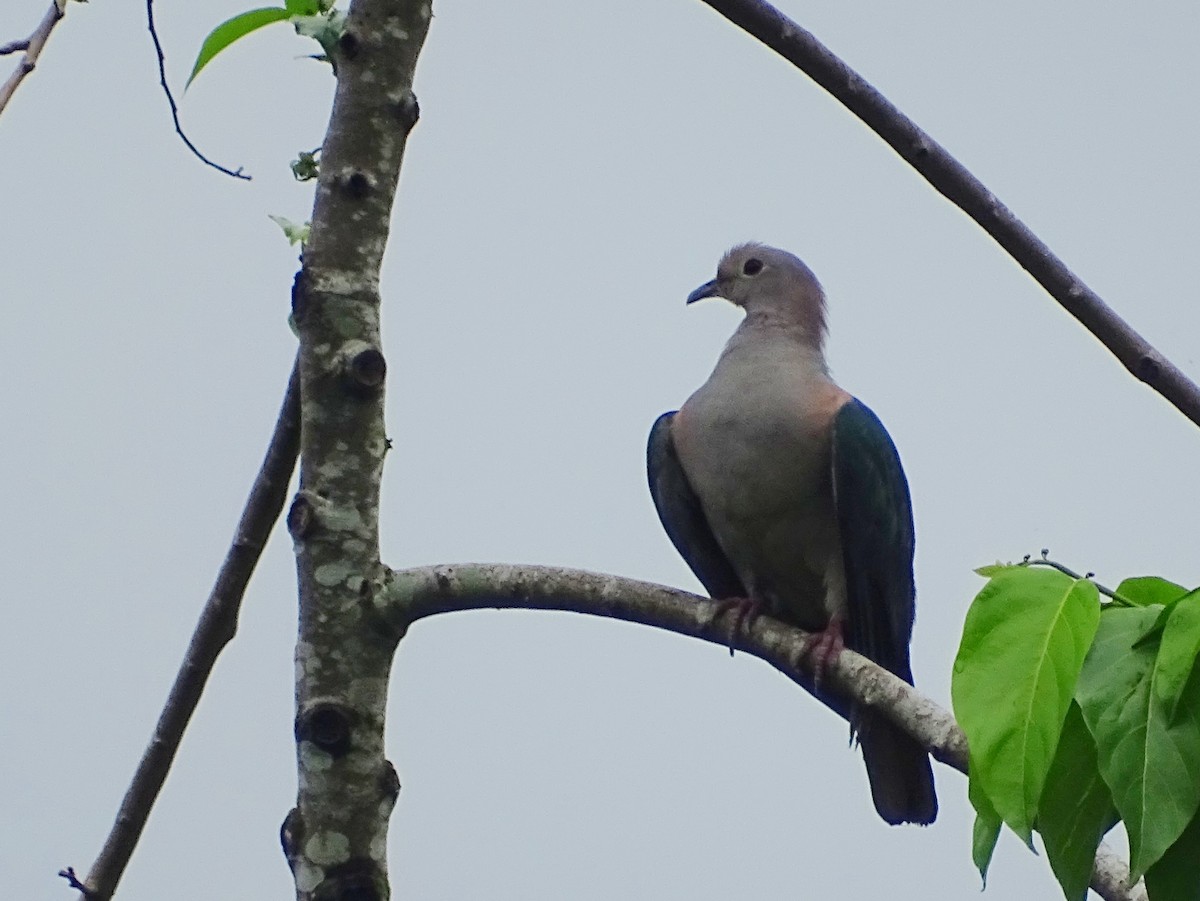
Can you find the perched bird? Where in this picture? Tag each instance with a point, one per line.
(784, 493)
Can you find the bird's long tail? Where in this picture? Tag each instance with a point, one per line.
(899, 770)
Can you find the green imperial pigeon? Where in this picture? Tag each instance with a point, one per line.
(784, 493)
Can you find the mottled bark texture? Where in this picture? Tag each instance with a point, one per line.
(336, 837)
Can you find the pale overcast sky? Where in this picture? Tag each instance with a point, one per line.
(578, 168)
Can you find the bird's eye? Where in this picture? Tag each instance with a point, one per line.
(752, 266)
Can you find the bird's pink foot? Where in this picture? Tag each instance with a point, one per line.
(746, 611)
(823, 647)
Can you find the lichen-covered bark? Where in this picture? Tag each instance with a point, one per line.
(405, 595)
(335, 838)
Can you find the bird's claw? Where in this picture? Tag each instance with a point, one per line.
(822, 648)
(746, 612)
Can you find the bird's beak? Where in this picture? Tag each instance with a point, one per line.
(708, 289)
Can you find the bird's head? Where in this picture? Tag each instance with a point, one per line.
(771, 283)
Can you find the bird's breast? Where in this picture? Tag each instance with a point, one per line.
(754, 442)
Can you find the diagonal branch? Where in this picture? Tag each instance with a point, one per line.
(960, 187)
(216, 628)
(404, 596)
(32, 48)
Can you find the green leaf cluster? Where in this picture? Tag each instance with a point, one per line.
(1079, 715)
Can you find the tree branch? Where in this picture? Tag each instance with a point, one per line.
(960, 187)
(162, 81)
(32, 47)
(216, 628)
(404, 596)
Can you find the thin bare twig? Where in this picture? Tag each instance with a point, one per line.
(32, 48)
(215, 629)
(951, 179)
(404, 596)
(1067, 571)
(162, 79)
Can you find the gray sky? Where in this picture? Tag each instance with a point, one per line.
(578, 168)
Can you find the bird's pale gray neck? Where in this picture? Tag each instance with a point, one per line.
(767, 333)
(771, 323)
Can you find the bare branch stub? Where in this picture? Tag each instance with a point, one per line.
(73, 881)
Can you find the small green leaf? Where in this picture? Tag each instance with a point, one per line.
(296, 233)
(303, 7)
(1178, 651)
(306, 166)
(232, 29)
(1076, 807)
(1151, 765)
(985, 833)
(1145, 590)
(1023, 644)
(992, 569)
(1176, 877)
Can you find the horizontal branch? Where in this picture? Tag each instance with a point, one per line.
(407, 595)
(417, 593)
(955, 182)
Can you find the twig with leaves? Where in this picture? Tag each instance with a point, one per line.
(1082, 714)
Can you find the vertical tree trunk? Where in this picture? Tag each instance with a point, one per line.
(336, 837)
